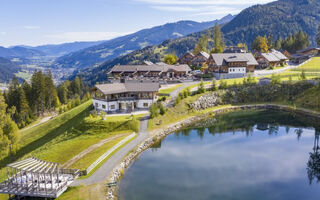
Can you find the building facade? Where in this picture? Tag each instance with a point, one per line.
(272, 59)
(154, 71)
(124, 96)
(200, 59)
(232, 63)
(186, 59)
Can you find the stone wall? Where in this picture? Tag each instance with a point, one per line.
(206, 101)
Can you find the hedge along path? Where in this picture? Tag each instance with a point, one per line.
(90, 149)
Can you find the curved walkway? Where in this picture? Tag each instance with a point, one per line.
(105, 170)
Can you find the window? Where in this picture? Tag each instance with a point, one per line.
(145, 104)
(112, 107)
(103, 106)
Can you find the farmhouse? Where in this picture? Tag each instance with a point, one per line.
(186, 59)
(200, 59)
(125, 96)
(272, 59)
(154, 71)
(312, 51)
(232, 63)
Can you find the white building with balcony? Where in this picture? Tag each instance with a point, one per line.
(125, 96)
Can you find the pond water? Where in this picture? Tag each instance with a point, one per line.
(246, 155)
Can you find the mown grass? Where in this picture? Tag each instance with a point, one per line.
(68, 134)
(88, 192)
(177, 113)
(92, 156)
(169, 90)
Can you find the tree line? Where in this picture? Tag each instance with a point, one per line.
(27, 101)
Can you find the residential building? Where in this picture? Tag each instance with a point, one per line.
(311, 51)
(272, 59)
(200, 59)
(155, 71)
(232, 63)
(186, 59)
(125, 96)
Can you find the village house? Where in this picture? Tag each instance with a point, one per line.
(125, 96)
(200, 59)
(303, 55)
(154, 71)
(186, 59)
(271, 59)
(233, 64)
(311, 51)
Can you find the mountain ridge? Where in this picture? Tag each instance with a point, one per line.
(126, 44)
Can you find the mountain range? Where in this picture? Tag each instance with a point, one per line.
(279, 19)
(124, 45)
(7, 69)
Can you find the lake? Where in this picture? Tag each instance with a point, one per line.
(265, 155)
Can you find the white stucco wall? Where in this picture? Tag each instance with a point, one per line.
(237, 70)
(98, 104)
(141, 102)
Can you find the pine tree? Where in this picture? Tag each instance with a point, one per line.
(218, 40)
(201, 45)
(270, 42)
(38, 92)
(23, 106)
(50, 92)
(63, 93)
(278, 44)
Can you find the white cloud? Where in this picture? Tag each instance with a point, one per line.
(31, 27)
(84, 36)
(202, 7)
(204, 2)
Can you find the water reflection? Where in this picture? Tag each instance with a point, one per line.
(313, 168)
(237, 156)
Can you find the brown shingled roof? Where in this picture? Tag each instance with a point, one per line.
(116, 88)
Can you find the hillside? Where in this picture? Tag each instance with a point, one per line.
(7, 70)
(279, 18)
(58, 50)
(19, 52)
(123, 45)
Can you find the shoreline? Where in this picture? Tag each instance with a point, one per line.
(159, 134)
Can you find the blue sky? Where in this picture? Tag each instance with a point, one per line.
(35, 22)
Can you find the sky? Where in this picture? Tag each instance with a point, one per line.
(37, 22)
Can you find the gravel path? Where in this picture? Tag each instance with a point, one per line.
(105, 170)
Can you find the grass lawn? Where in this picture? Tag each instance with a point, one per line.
(177, 113)
(88, 192)
(170, 89)
(68, 134)
(91, 157)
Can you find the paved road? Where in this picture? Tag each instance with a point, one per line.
(105, 170)
(176, 92)
(276, 71)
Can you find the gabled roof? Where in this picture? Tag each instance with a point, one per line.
(133, 68)
(116, 88)
(270, 57)
(222, 58)
(148, 62)
(308, 49)
(204, 54)
(279, 55)
(152, 68)
(188, 53)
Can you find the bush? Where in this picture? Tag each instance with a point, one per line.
(201, 88)
(223, 85)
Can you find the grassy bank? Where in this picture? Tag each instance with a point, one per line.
(60, 139)
(167, 91)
